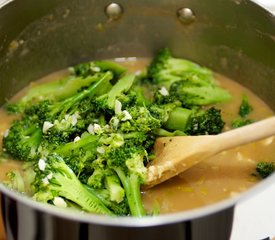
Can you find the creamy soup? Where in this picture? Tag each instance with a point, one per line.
(212, 180)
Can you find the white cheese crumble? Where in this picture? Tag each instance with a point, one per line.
(100, 150)
(46, 126)
(95, 68)
(50, 176)
(6, 133)
(45, 181)
(76, 139)
(114, 122)
(90, 129)
(127, 115)
(41, 164)
(94, 129)
(118, 107)
(163, 91)
(75, 116)
(59, 202)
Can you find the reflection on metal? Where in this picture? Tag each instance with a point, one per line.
(113, 11)
(5, 2)
(186, 15)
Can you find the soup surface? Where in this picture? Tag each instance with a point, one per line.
(212, 180)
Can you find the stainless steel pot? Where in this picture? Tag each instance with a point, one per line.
(233, 37)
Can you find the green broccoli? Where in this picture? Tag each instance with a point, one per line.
(88, 143)
(245, 107)
(90, 68)
(264, 169)
(244, 110)
(207, 122)
(108, 102)
(23, 139)
(194, 93)
(128, 163)
(55, 90)
(240, 122)
(166, 69)
(55, 182)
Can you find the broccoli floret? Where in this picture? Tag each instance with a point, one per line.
(264, 169)
(58, 182)
(245, 107)
(55, 90)
(128, 163)
(240, 122)
(107, 102)
(69, 106)
(166, 69)
(90, 68)
(121, 209)
(185, 81)
(198, 93)
(207, 122)
(23, 139)
(105, 178)
(244, 110)
(79, 154)
(136, 119)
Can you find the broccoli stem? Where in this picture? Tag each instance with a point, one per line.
(131, 185)
(113, 185)
(64, 183)
(178, 119)
(98, 87)
(73, 190)
(123, 85)
(88, 142)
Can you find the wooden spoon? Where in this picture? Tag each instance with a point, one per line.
(176, 154)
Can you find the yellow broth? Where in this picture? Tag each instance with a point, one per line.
(212, 180)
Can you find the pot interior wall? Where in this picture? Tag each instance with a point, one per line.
(235, 38)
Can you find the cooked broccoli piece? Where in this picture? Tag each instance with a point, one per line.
(136, 119)
(184, 121)
(198, 93)
(179, 119)
(57, 183)
(166, 69)
(79, 154)
(108, 102)
(120, 209)
(245, 107)
(240, 122)
(90, 68)
(264, 169)
(185, 81)
(207, 122)
(55, 90)
(128, 163)
(105, 178)
(23, 139)
(50, 111)
(21, 180)
(244, 110)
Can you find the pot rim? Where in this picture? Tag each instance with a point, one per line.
(146, 221)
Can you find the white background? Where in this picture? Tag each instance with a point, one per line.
(255, 217)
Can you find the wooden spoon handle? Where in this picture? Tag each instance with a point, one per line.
(243, 135)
